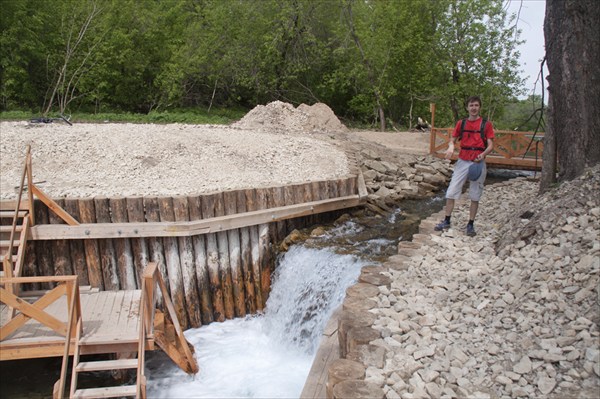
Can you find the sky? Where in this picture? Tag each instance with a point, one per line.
(531, 23)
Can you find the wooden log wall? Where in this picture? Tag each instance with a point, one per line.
(210, 277)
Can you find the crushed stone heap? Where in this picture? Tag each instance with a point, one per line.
(283, 117)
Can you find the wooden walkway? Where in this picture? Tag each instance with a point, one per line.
(110, 324)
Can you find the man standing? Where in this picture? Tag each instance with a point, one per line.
(476, 137)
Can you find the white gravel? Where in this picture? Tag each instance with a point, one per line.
(85, 160)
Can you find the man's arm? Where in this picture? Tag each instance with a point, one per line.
(488, 149)
(450, 149)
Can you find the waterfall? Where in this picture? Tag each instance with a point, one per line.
(270, 355)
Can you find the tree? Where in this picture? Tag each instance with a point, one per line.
(79, 40)
(572, 36)
(475, 49)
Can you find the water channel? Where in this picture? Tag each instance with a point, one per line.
(268, 355)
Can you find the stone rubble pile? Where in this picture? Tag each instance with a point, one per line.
(390, 182)
(512, 312)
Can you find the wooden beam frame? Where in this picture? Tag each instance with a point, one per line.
(187, 229)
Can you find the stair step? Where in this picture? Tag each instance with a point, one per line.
(106, 392)
(7, 229)
(6, 243)
(120, 364)
(11, 214)
(14, 258)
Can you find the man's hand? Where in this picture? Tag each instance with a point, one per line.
(450, 150)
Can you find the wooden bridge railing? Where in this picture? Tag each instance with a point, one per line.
(512, 150)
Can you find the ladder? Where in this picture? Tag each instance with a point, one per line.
(13, 240)
(137, 390)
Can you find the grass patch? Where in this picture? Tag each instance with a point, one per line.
(215, 117)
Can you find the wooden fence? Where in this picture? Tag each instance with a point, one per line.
(512, 150)
(215, 273)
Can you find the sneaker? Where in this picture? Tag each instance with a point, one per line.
(443, 225)
(471, 230)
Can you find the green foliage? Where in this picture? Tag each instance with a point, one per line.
(153, 57)
(521, 115)
(215, 116)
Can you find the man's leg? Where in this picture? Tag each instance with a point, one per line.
(472, 210)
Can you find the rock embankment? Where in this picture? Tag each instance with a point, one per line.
(390, 181)
(513, 312)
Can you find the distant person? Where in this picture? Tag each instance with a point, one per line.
(476, 136)
(422, 125)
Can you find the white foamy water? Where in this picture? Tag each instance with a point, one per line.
(266, 356)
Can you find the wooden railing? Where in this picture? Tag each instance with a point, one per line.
(177, 348)
(512, 150)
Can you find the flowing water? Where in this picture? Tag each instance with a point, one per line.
(270, 355)
(267, 355)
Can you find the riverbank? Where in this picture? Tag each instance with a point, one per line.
(512, 312)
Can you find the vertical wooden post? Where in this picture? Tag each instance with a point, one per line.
(255, 251)
(188, 272)
(155, 244)
(77, 246)
(246, 257)
(165, 205)
(125, 269)
(139, 247)
(235, 261)
(224, 266)
(264, 248)
(200, 263)
(212, 259)
(289, 199)
(43, 248)
(107, 250)
(87, 211)
(60, 248)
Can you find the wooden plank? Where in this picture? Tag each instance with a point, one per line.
(200, 263)
(87, 212)
(60, 248)
(255, 250)
(188, 272)
(106, 248)
(123, 252)
(54, 206)
(33, 312)
(246, 257)
(139, 247)
(263, 247)
(224, 265)
(30, 265)
(183, 229)
(212, 259)
(171, 247)
(76, 247)
(43, 248)
(235, 259)
(155, 245)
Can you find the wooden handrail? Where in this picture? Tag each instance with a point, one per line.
(152, 276)
(191, 228)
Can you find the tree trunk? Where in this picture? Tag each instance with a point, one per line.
(572, 36)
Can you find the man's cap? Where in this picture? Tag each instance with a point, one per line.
(475, 170)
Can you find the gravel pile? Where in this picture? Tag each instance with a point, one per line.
(513, 312)
(86, 160)
(283, 117)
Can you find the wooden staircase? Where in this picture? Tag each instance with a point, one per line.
(137, 390)
(13, 238)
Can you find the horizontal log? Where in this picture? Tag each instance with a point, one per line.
(191, 228)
